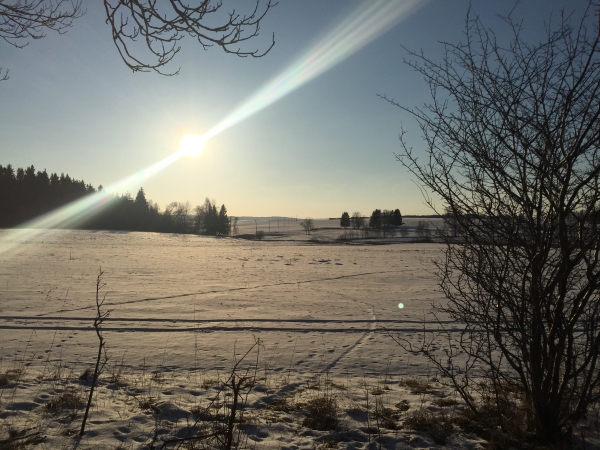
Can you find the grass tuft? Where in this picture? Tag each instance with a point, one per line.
(69, 399)
(402, 405)
(417, 385)
(438, 426)
(321, 413)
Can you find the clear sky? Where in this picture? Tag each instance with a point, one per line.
(72, 106)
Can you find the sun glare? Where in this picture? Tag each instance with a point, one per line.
(191, 144)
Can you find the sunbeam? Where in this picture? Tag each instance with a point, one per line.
(75, 212)
(369, 21)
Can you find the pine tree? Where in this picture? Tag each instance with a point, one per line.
(397, 218)
(224, 227)
(345, 220)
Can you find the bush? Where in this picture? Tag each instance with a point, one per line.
(321, 413)
(69, 399)
(438, 426)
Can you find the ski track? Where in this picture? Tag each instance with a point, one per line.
(220, 291)
(358, 344)
(222, 328)
(154, 319)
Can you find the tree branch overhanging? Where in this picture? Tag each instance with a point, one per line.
(30, 19)
(146, 33)
(161, 27)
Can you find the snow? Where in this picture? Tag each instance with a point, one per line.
(185, 308)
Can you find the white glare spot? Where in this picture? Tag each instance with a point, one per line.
(400, 305)
(191, 144)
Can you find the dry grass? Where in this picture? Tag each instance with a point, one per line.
(402, 405)
(385, 417)
(377, 390)
(283, 404)
(321, 413)
(438, 426)
(20, 439)
(10, 375)
(417, 385)
(85, 375)
(445, 402)
(208, 382)
(149, 404)
(69, 399)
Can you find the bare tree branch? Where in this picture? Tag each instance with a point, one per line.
(162, 27)
(513, 150)
(29, 19)
(147, 33)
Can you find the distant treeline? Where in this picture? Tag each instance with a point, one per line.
(379, 219)
(27, 194)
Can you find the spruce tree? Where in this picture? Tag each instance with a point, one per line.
(224, 225)
(345, 220)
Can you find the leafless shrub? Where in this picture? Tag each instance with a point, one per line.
(513, 152)
(357, 221)
(423, 230)
(220, 417)
(98, 321)
(348, 235)
(308, 225)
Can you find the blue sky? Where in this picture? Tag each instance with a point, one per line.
(72, 106)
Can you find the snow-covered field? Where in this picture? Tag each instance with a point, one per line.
(185, 308)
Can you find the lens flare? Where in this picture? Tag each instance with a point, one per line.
(191, 144)
(74, 213)
(368, 22)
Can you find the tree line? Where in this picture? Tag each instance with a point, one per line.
(26, 194)
(379, 219)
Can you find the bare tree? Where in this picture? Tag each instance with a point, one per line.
(182, 215)
(403, 231)
(179, 212)
(146, 33)
(357, 220)
(199, 215)
(30, 19)
(422, 230)
(234, 227)
(513, 141)
(308, 225)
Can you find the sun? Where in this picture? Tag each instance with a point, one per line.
(191, 144)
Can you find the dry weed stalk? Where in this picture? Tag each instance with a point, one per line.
(241, 381)
(100, 317)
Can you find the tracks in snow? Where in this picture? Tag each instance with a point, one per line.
(221, 291)
(161, 325)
